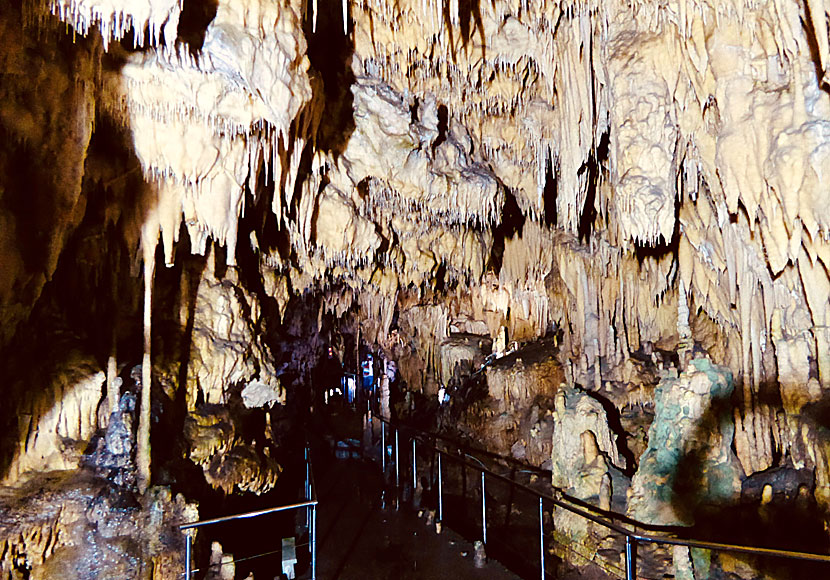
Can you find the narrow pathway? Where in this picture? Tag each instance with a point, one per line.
(362, 536)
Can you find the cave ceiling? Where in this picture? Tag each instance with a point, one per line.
(629, 172)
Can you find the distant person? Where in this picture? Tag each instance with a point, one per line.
(367, 372)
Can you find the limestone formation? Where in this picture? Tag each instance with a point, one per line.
(581, 437)
(689, 460)
(113, 457)
(227, 349)
(69, 525)
(506, 404)
(56, 424)
(228, 461)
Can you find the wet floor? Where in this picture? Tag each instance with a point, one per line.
(362, 535)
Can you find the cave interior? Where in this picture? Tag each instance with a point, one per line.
(585, 236)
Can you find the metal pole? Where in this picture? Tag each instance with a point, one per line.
(414, 469)
(188, 549)
(383, 447)
(440, 490)
(307, 489)
(483, 510)
(397, 472)
(397, 464)
(541, 539)
(314, 542)
(630, 558)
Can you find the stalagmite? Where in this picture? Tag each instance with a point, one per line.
(113, 387)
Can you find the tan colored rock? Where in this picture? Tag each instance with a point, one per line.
(581, 436)
(226, 349)
(57, 423)
(689, 461)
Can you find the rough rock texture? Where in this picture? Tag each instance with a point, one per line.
(511, 412)
(46, 116)
(577, 415)
(689, 459)
(70, 525)
(229, 462)
(629, 176)
(113, 456)
(227, 343)
(56, 423)
(461, 355)
(578, 166)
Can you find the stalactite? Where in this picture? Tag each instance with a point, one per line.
(143, 459)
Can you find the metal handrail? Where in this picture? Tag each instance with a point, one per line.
(467, 449)
(632, 537)
(246, 515)
(310, 491)
(471, 449)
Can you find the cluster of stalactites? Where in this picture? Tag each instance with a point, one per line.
(204, 127)
(158, 19)
(541, 102)
(699, 128)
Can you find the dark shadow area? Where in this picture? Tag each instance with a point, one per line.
(91, 305)
(594, 166)
(194, 20)
(330, 52)
(790, 520)
(443, 126)
(812, 43)
(662, 246)
(612, 413)
(550, 194)
(254, 543)
(175, 293)
(512, 223)
(469, 15)
(449, 29)
(262, 221)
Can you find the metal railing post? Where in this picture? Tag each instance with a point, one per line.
(397, 464)
(314, 542)
(440, 490)
(383, 446)
(630, 558)
(483, 510)
(188, 549)
(541, 539)
(414, 469)
(307, 489)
